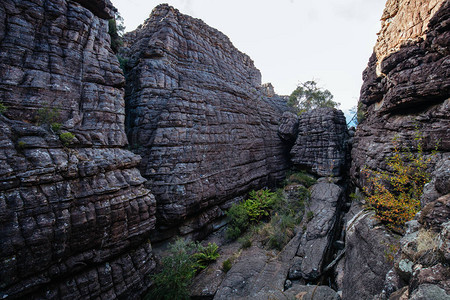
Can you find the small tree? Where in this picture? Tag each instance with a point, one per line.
(308, 96)
(178, 270)
(395, 195)
(116, 30)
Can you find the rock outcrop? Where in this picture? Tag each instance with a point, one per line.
(197, 114)
(316, 243)
(421, 264)
(321, 143)
(74, 213)
(370, 250)
(405, 95)
(406, 85)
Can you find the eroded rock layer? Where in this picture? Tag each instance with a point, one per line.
(406, 84)
(74, 213)
(321, 143)
(404, 98)
(198, 116)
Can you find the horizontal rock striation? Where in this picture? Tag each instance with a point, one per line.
(197, 114)
(74, 214)
(406, 85)
(405, 95)
(321, 143)
(58, 56)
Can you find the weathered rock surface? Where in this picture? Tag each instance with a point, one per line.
(421, 263)
(261, 274)
(74, 219)
(288, 128)
(316, 243)
(406, 84)
(321, 144)
(369, 256)
(197, 114)
(405, 91)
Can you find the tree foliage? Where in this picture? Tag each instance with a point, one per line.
(395, 195)
(116, 30)
(308, 96)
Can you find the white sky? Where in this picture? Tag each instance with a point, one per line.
(290, 41)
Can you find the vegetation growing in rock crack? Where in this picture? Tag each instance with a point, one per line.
(226, 265)
(308, 96)
(395, 195)
(206, 255)
(300, 178)
(66, 138)
(280, 213)
(3, 108)
(253, 209)
(48, 117)
(179, 267)
(116, 29)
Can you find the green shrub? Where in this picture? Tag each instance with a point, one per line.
(3, 108)
(238, 221)
(226, 265)
(55, 126)
(21, 144)
(47, 116)
(309, 216)
(259, 204)
(66, 138)
(206, 255)
(281, 231)
(123, 62)
(301, 178)
(395, 195)
(246, 242)
(253, 209)
(178, 269)
(293, 205)
(116, 30)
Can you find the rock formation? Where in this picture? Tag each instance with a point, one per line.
(74, 213)
(198, 116)
(316, 244)
(321, 143)
(405, 93)
(406, 84)
(369, 255)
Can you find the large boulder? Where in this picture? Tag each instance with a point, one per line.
(321, 143)
(316, 243)
(198, 116)
(74, 213)
(370, 249)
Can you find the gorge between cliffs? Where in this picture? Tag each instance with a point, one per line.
(109, 157)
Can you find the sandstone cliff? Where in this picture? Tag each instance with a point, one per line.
(74, 214)
(406, 84)
(405, 91)
(197, 114)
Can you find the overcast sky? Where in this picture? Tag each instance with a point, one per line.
(290, 41)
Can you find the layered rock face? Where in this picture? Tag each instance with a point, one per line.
(321, 143)
(74, 213)
(197, 114)
(405, 93)
(406, 84)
